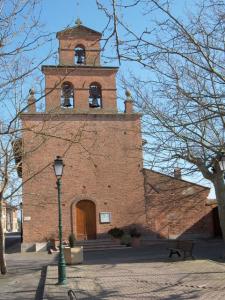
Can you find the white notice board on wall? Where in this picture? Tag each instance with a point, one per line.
(105, 217)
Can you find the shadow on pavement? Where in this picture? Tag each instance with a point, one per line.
(203, 249)
(40, 289)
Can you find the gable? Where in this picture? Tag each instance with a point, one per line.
(77, 31)
(172, 188)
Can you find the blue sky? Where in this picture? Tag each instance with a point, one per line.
(59, 14)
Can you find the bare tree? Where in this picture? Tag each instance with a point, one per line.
(181, 87)
(21, 35)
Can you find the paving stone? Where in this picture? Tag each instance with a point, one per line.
(199, 279)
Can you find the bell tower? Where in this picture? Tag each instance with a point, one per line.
(79, 45)
(79, 83)
(102, 184)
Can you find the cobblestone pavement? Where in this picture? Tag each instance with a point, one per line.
(26, 276)
(192, 279)
(26, 272)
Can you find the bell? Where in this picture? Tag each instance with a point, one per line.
(94, 103)
(79, 60)
(67, 94)
(94, 95)
(80, 56)
(66, 102)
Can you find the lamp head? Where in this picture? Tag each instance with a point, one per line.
(58, 167)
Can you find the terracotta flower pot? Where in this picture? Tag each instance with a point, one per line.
(135, 242)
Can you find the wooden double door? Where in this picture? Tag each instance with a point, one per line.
(85, 220)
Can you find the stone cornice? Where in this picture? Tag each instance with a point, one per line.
(106, 116)
(76, 67)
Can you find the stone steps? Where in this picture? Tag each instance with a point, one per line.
(100, 244)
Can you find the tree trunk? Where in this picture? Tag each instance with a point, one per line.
(2, 242)
(220, 197)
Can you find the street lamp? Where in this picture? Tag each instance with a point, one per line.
(58, 168)
(222, 161)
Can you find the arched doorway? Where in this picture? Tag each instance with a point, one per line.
(85, 220)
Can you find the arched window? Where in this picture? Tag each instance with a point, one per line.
(79, 55)
(67, 95)
(95, 95)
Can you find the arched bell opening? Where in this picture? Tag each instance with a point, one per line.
(95, 95)
(85, 220)
(67, 95)
(80, 55)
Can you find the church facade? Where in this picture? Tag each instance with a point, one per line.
(104, 184)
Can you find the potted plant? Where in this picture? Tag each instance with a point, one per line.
(135, 237)
(73, 254)
(126, 240)
(72, 240)
(116, 234)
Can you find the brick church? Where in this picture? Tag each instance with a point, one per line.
(104, 184)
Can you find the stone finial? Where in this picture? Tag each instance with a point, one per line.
(78, 22)
(128, 94)
(128, 102)
(31, 101)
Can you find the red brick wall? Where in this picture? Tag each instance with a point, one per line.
(176, 208)
(103, 164)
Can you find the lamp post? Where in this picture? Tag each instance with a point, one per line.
(222, 161)
(58, 168)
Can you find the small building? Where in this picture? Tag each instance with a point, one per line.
(10, 218)
(176, 208)
(104, 184)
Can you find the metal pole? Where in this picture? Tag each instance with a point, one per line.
(61, 261)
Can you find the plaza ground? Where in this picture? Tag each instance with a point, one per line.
(145, 273)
